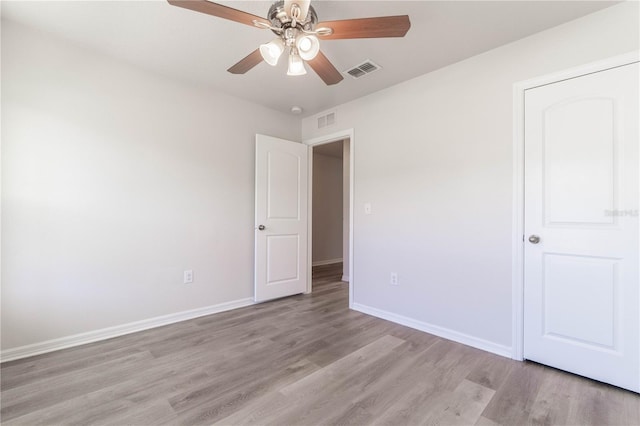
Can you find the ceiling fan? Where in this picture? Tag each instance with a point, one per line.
(296, 26)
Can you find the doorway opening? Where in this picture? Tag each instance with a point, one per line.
(330, 192)
(330, 206)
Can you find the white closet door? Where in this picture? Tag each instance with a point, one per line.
(581, 226)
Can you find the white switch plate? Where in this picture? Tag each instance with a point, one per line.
(188, 276)
(367, 208)
(394, 279)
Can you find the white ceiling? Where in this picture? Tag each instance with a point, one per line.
(199, 48)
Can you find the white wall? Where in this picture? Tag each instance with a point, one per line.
(114, 181)
(434, 158)
(327, 208)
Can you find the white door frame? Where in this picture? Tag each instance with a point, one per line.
(334, 137)
(517, 280)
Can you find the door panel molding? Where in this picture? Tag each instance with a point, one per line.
(517, 269)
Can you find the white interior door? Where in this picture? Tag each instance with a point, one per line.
(581, 201)
(281, 218)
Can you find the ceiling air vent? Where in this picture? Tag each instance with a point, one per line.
(327, 120)
(367, 67)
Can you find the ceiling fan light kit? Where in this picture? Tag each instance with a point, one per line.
(308, 46)
(296, 25)
(296, 64)
(271, 51)
(293, 22)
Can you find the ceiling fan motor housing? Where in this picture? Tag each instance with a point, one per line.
(279, 19)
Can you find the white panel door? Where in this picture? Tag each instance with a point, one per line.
(281, 218)
(581, 202)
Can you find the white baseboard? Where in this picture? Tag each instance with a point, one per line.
(445, 333)
(118, 330)
(326, 262)
(345, 278)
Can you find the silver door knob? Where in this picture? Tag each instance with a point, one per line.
(534, 239)
(261, 227)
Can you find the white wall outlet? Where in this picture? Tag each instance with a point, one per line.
(188, 276)
(394, 279)
(367, 208)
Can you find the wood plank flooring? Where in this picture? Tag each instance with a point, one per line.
(303, 360)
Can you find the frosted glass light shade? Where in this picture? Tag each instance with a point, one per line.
(271, 51)
(296, 65)
(308, 46)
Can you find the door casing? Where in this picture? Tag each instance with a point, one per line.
(517, 280)
(334, 137)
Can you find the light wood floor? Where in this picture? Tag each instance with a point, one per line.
(303, 360)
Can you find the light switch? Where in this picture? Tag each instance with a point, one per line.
(367, 208)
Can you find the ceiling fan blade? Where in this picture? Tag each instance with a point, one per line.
(384, 26)
(248, 62)
(325, 69)
(218, 10)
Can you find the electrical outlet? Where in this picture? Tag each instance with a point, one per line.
(394, 279)
(188, 276)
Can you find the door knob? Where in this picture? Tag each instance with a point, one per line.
(534, 239)
(261, 227)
